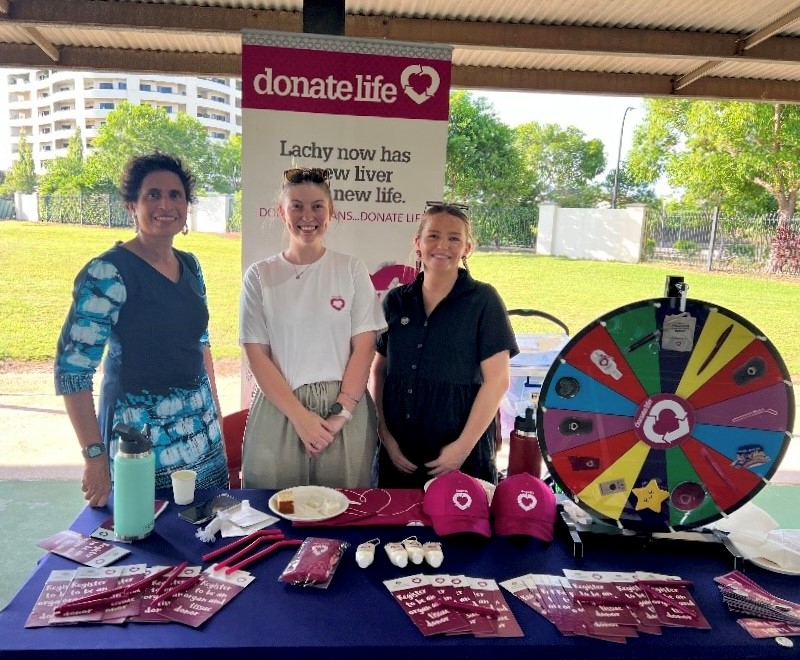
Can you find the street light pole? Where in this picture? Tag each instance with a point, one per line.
(619, 155)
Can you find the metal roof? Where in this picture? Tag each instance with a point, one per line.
(737, 49)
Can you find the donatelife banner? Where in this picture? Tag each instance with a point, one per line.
(374, 112)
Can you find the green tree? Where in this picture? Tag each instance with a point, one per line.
(131, 130)
(228, 169)
(482, 162)
(629, 191)
(64, 175)
(562, 162)
(743, 157)
(21, 176)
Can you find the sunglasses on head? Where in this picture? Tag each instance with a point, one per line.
(459, 210)
(303, 174)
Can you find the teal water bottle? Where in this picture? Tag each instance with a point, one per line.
(134, 485)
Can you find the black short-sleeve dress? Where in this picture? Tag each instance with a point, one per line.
(433, 373)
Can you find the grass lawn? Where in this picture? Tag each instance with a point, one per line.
(38, 263)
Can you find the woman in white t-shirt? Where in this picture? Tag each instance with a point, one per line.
(308, 320)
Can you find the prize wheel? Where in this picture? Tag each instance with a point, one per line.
(657, 419)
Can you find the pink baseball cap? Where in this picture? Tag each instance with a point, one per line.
(523, 504)
(456, 503)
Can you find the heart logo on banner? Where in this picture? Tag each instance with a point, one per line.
(319, 549)
(417, 72)
(337, 302)
(526, 500)
(462, 500)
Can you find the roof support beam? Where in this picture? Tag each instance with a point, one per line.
(36, 37)
(543, 38)
(468, 77)
(118, 59)
(693, 76)
(770, 30)
(622, 84)
(742, 45)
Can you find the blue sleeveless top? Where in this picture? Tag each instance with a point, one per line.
(154, 331)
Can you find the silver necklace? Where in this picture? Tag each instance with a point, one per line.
(297, 273)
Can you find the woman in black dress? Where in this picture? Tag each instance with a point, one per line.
(442, 366)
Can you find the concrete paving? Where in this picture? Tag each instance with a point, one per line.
(36, 438)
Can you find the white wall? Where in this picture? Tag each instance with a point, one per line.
(27, 206)
(210, 214)
(597, 234)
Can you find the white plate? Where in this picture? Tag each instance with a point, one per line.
(768, 565)
(488, 487)
(312, 503)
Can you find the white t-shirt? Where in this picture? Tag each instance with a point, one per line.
(308, 321)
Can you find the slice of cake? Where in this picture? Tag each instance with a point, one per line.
(285, 502)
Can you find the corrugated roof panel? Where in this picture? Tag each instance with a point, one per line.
(10, 34)
(711, 15)
(729, 16)
(181, 42)
(559, 62)
(756, 71)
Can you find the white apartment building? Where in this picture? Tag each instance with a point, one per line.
(48, 105)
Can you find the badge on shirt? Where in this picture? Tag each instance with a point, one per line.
(404, 321)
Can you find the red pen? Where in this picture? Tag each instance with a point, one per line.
(171, 577)
(90, 605)
(259, 541)
(109, 595)
(600, 600)
(137, 586)
(466, 607)
(177, 589)
(273, 533)
(276, 546)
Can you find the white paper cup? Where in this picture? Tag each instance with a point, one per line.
(183, 482)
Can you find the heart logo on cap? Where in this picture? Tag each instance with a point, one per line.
(526, 500)
(462, 499)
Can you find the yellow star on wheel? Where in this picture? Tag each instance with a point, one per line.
(650, 496)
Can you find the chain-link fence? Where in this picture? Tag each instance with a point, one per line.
(92, 209)
(108, 210)
(499, 226)
(716, 241)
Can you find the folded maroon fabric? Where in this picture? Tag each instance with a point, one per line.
(377, 507)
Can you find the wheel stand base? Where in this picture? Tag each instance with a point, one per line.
(582, 535)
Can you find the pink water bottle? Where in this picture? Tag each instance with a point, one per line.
(524, 454)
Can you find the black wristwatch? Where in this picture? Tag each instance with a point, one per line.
(338, 410)
(95, 450)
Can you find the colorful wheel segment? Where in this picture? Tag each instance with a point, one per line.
(658, 419)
